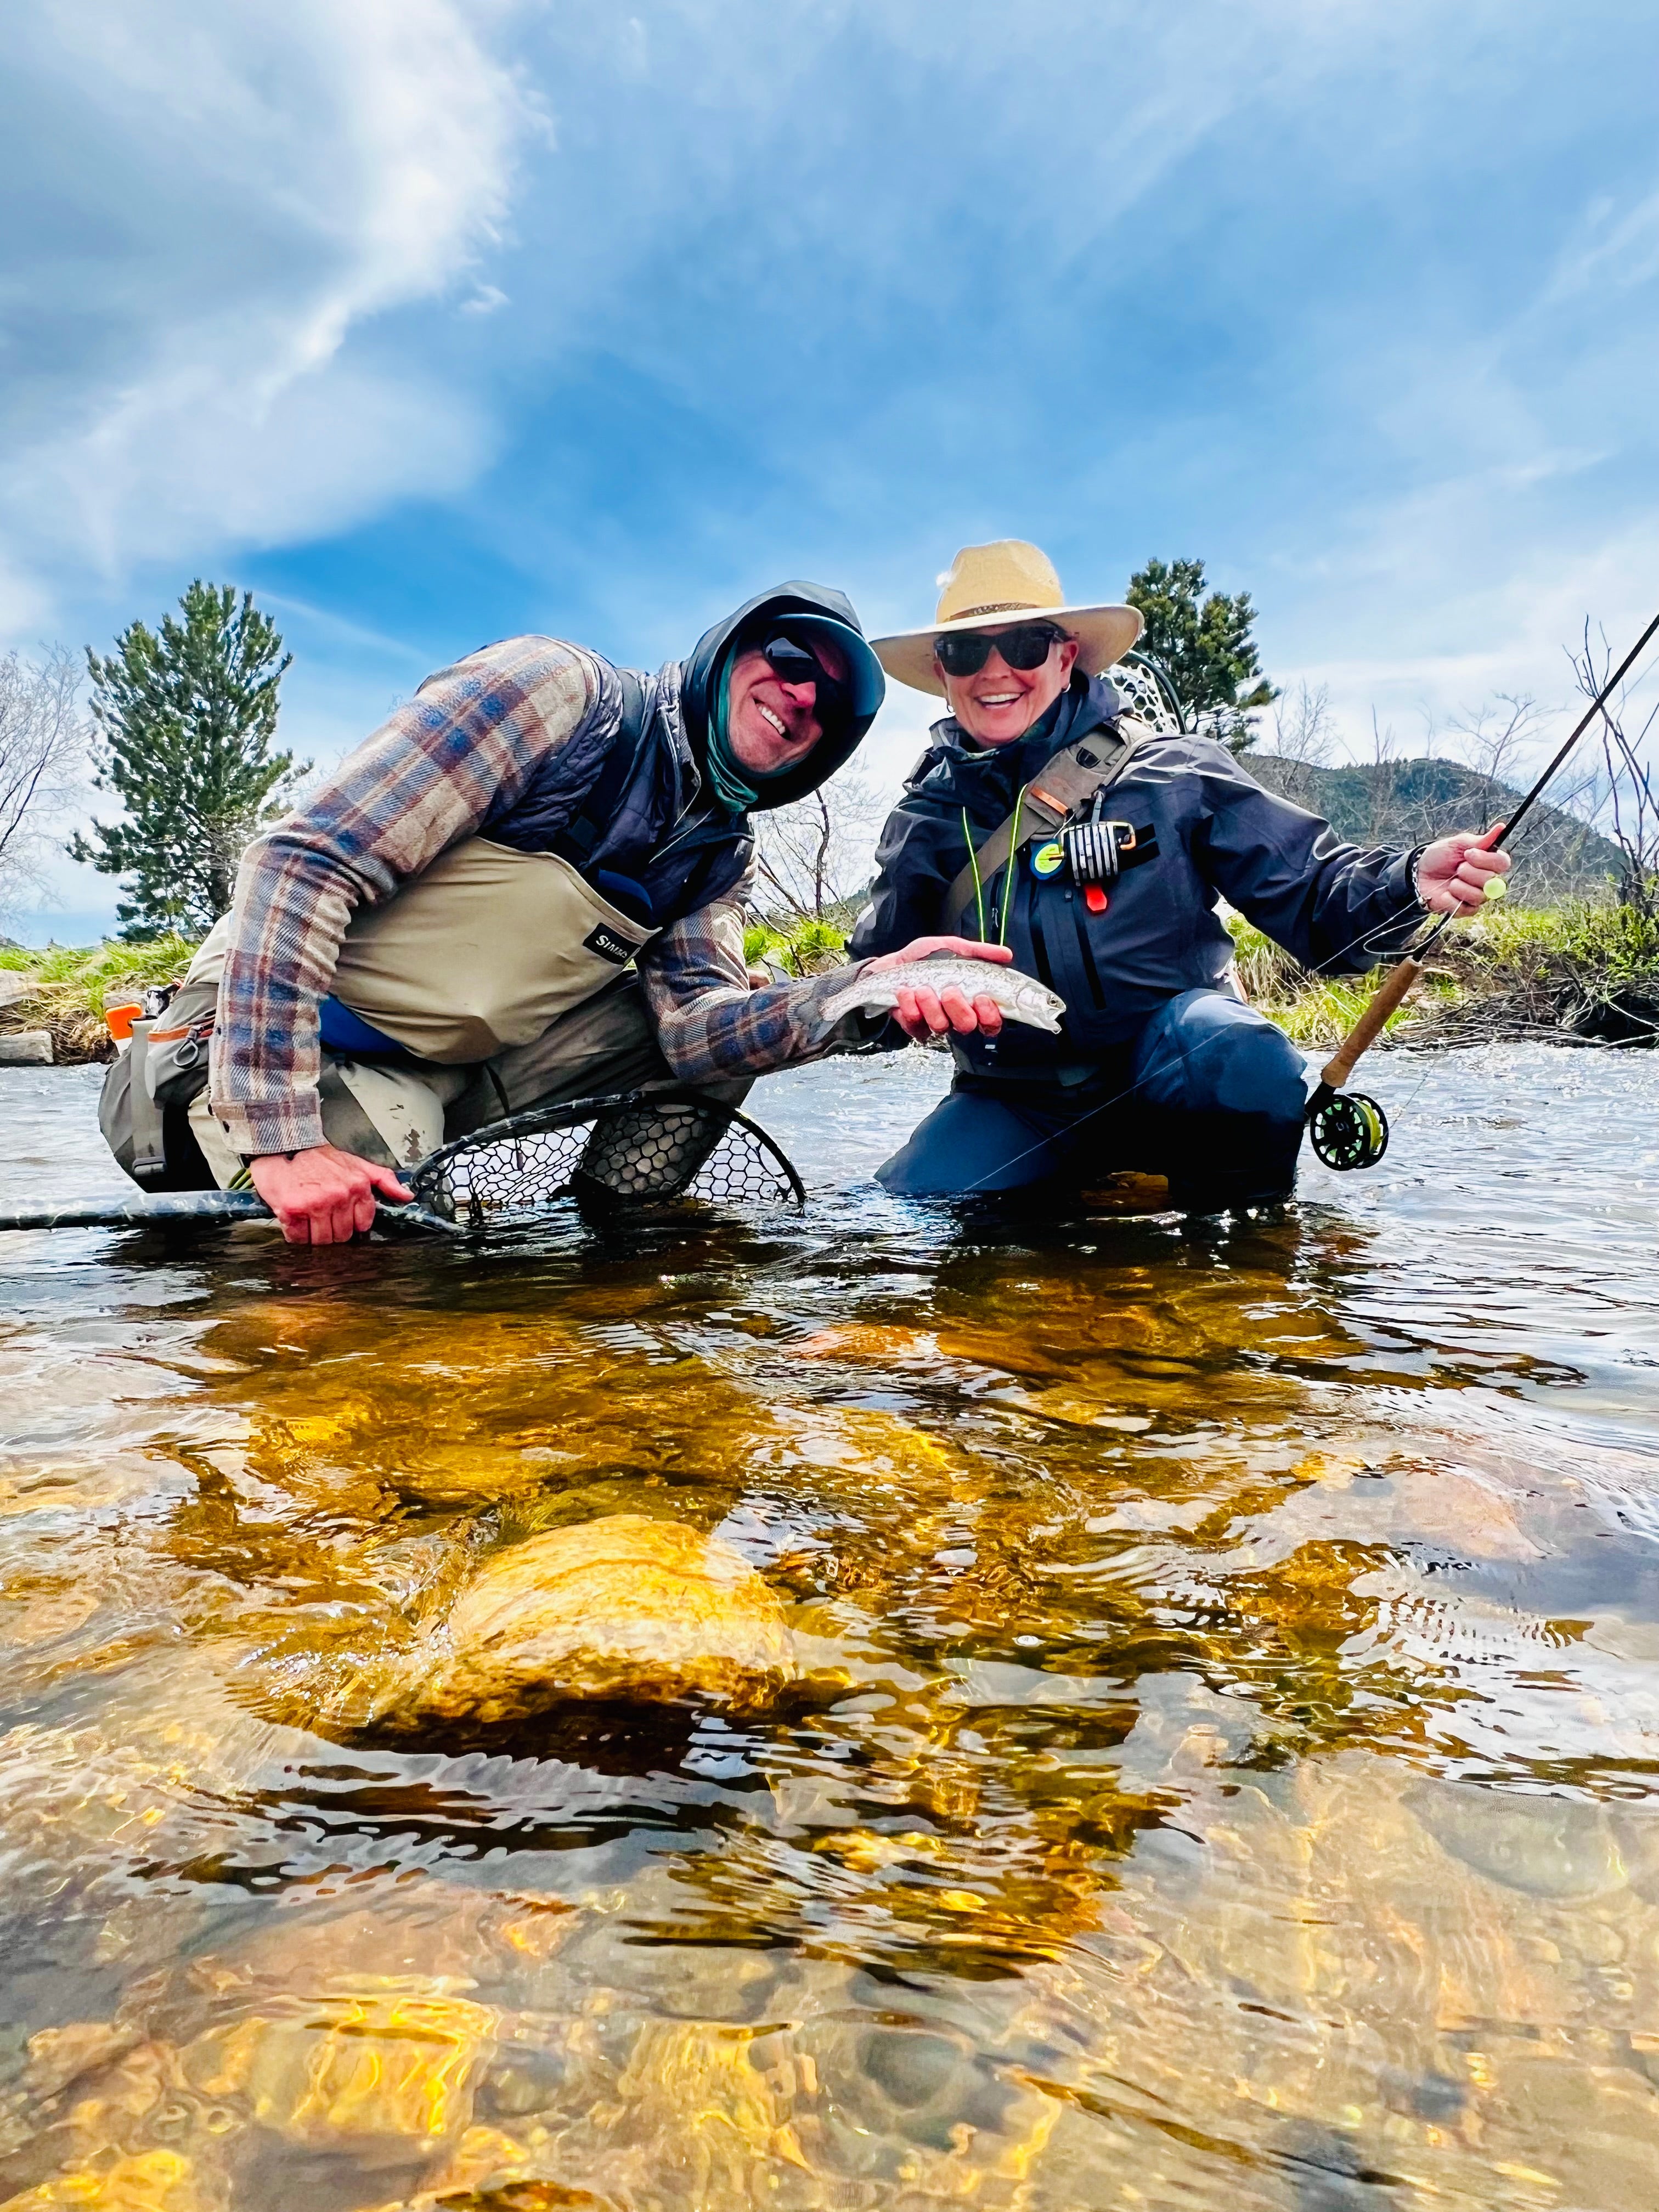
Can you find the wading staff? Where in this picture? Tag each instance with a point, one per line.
(1352, 1131)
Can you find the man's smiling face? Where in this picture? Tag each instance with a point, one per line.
(770, 725)
(998, 703)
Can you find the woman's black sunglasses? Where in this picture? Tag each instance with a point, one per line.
(965, 652)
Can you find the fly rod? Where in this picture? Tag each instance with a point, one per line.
(1352, 1132)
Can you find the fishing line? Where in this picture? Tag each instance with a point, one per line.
(1402, 1112)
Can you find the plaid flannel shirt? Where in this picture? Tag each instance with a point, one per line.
(470, 738)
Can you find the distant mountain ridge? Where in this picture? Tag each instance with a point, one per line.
(1409, 802)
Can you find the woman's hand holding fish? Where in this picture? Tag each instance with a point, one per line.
(922, 1013)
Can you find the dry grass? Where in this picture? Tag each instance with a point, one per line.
(72, 985)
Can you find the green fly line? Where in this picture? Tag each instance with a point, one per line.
(973, 862)
(1008, 882)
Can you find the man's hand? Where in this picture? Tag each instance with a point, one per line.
(1452, 874)
(922, 1013)
(323, 1196)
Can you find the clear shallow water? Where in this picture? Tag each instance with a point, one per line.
(1241, 1791)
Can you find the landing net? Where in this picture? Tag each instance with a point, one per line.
(1147, 694)
(627, 1155)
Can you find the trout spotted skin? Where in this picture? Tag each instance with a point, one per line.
(1021, 996)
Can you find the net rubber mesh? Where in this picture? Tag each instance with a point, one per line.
(613, 1155)
(1145, 696)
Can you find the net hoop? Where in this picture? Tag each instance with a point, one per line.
(626, 1152)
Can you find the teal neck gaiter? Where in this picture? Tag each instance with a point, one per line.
(731, 781)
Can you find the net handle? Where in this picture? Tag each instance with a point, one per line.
(156, 1208)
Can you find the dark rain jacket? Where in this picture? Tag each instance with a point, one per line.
(1205, 830)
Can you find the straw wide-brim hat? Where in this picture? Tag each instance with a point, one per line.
(993, 587)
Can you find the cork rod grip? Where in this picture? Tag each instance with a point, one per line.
(1366, 1030)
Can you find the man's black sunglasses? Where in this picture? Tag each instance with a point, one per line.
(965, 652)
(791, 662)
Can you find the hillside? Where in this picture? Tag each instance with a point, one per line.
(1407, 802)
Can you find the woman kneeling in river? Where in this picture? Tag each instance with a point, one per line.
(1158, 1064)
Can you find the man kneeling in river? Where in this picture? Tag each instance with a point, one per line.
(526, 887)
(1045, 819)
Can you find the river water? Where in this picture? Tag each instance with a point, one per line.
(1240, 1789)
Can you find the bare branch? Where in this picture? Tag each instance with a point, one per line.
(1301, 742)
(816, 856)
(1627, 804)
(43, 743)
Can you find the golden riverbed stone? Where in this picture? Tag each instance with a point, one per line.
(625, 1608)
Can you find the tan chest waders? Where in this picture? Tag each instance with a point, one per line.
(484, 950)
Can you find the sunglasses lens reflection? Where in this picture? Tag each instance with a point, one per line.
(791, 662)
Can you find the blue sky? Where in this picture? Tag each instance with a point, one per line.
(434, 322)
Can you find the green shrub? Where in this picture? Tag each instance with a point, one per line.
(760, 938)
(805, 949)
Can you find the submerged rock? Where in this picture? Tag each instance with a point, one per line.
(626, 1609)
(1545, 1847)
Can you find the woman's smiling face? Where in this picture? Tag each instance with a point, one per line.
(998, 703)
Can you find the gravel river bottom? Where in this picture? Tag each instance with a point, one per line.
(1228, 1773)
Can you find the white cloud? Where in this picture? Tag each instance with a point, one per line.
(1476, 597)
(216, 198)
(1609, 254)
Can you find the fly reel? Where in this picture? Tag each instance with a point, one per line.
(1348, 1129)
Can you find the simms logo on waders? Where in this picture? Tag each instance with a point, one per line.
(609, 947)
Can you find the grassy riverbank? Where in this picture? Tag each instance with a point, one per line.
(65, 988)
(1585, 969)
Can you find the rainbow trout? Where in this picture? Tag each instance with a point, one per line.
(1021, 996)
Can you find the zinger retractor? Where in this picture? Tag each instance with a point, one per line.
(1347, 1129)
(1094, 846)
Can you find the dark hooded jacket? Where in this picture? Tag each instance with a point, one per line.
(627, 800)
(1205, 830)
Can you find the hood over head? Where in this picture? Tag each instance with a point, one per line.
(702, 682)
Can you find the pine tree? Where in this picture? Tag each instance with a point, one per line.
(1205, 645)
(187, 720)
